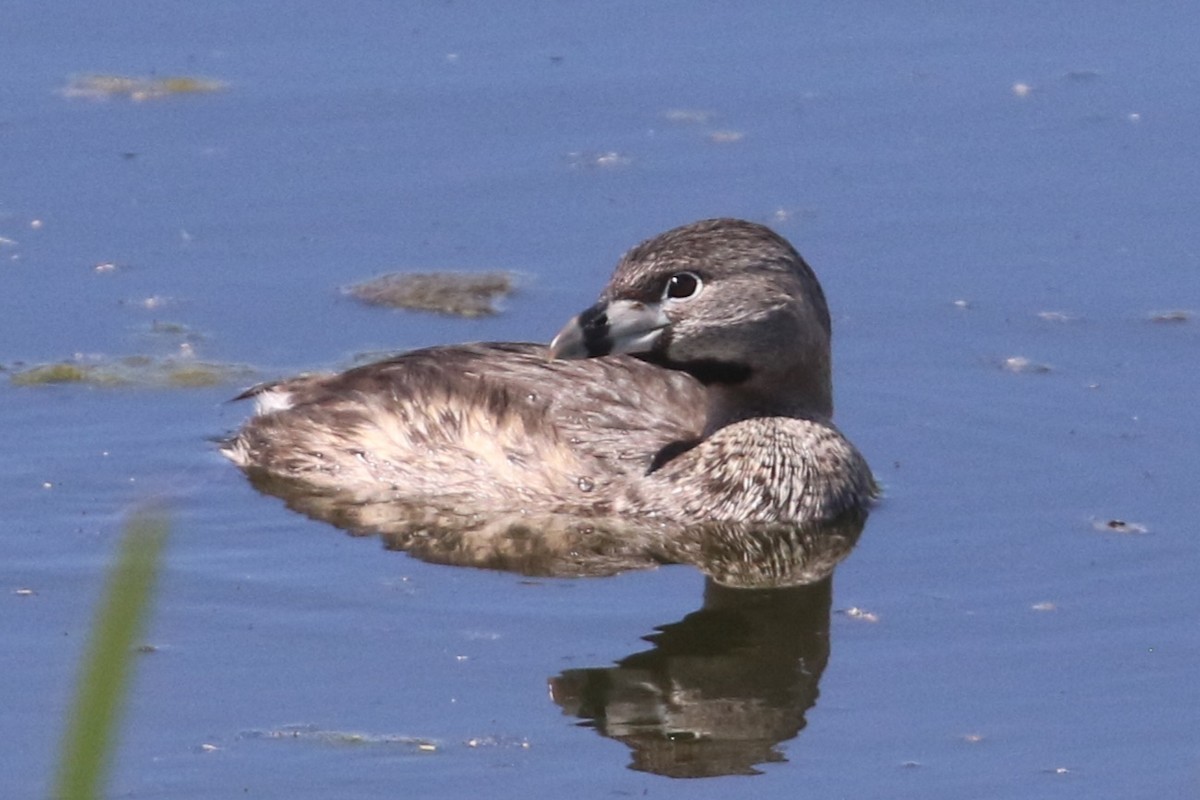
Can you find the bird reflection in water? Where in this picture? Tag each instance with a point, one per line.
(746, 555)
(721, 688)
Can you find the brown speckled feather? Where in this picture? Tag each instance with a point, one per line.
(499, 424)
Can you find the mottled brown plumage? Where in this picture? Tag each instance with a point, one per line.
(697, 389)
(496, 426)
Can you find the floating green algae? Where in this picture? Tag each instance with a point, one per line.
(463, 294)
(312, 733)
(197, 376)
(133, 372)
(50, 373)
(170, 328)
(103, 87)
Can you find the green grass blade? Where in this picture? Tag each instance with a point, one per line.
(91, 730)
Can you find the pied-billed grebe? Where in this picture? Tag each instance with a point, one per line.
(697, 389)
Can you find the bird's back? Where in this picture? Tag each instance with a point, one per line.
(492, 425)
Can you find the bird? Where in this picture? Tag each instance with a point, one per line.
(697, 389)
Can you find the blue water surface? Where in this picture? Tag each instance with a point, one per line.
(973, 183)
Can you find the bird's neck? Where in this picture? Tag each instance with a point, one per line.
(801, 393)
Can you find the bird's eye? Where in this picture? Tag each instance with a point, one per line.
(683, 285)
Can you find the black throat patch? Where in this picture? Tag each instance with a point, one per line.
(706, 370)
(597, 338)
